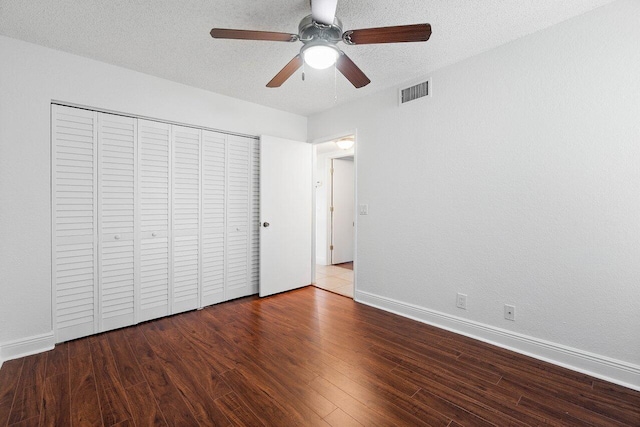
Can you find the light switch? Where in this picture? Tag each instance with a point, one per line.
(364, 209)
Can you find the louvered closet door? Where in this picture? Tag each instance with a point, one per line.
(154, 162)
(238, 216)
(255, 216)
(213, 217)
(116, 219)
(186, 218)
(74, 228)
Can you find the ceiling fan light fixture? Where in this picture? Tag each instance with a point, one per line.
(320, 56)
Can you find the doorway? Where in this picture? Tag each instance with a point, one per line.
(335, 215)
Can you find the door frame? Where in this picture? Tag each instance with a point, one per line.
(328, 138)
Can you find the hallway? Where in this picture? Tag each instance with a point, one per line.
(336, 278)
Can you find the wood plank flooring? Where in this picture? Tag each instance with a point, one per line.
(347, 265)
(308, 358)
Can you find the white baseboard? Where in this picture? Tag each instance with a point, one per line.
(26, 346)
(608, 369)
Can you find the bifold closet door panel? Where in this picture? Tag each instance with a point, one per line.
(154, 201)
(74, 222)
(255, 217)
(238, 216)
(213, 216)
(186, 218)
(116, 219)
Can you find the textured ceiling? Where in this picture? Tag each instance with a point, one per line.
(170, 39)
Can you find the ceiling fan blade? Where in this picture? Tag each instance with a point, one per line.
(286, 72)
(324, 11)
(397, 34)
(226, 33)
(351, 71)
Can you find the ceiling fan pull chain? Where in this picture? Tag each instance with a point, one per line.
(335, 83)
(302, 70)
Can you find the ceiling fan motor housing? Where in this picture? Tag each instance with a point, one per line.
(310, 31)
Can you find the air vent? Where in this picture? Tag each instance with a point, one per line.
(414, 92)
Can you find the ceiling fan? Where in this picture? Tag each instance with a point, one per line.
(320, 32)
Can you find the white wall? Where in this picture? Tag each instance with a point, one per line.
(30, 78)
(518, 182)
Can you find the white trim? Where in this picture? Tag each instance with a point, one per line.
(603, 367)
(153, 119)
(52, 189)
(336, 135)
(26, 346)
(200, 213)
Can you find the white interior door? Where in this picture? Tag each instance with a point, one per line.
(285, 212)
(343, 214)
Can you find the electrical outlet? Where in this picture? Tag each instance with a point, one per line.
(510, 312)
(461, 301)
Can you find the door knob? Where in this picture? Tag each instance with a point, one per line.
(154, 234)
(117, 237)
(265, 224)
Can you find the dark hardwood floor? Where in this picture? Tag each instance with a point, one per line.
(347, 265)
(307, 357)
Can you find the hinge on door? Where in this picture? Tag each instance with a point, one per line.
(331, 171)
(331, 209)
(331, 247)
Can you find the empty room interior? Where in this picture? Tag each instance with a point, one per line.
(320, 212)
